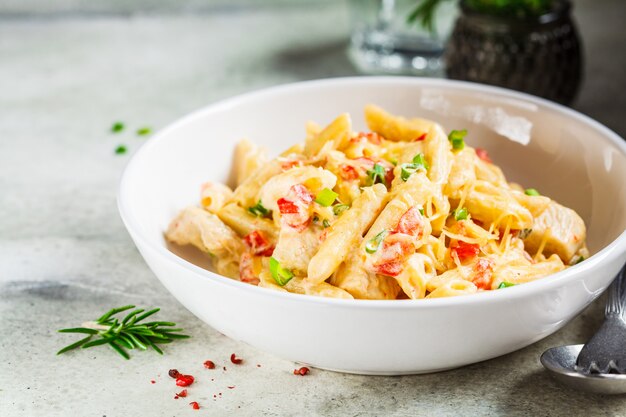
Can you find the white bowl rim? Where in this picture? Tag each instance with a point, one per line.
(511, 293)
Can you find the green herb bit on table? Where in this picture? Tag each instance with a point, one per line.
(125, 334)
(117, 127)
(144, 131)
(121, 150)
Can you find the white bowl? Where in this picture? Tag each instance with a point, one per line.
(539, 144)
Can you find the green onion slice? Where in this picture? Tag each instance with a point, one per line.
(579, 260)
(531, 191)
(258, 210)
(338, 209)
(325, 223)
(456, 138)
(460, 214)
(376, 174)
(406, 170)
(505, 284)
(374, 243)
(326, 197)
(281, 275)
(120, 150)
(420, 160)
(421, 210)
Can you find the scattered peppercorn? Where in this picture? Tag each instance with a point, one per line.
(302, 371)
(194, 405)
(152, 381)
(173, 373)
(231, 387)
(184, 380)
(234, 359)
(209, 365)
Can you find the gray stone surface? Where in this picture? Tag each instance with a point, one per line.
(68, 69)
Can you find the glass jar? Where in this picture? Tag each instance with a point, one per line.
(385, 41)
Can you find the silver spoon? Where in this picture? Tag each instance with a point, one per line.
(561, 361)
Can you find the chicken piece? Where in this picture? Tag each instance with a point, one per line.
(204, 230)
(562, 229)
(360, 283)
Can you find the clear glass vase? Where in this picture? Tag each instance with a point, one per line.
(384, 41)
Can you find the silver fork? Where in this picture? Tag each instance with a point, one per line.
(606, 351)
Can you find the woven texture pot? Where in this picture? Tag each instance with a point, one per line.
(540, 56)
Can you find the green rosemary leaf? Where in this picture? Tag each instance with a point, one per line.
(119, 350)
(148, 314)
(176, 336)
(112, 312)
(126, 342)
(74, 345)
(99, 342)
(78, 330)
(127, 333)
(162, 341)
(131, 315)
(159, 323)
(149, 342)
(137, 342)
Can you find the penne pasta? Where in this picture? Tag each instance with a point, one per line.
(404, 211)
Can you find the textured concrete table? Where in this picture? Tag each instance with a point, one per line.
(67, 71)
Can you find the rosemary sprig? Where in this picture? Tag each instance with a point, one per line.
(125, 334)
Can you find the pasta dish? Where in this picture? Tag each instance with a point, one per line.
(404, 211)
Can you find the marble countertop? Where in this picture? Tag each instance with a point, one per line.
(67, 71)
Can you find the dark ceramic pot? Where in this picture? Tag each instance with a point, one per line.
(540, 56)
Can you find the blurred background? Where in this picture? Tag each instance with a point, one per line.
(173, 56)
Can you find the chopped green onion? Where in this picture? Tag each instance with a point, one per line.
(406, 170)
(456, 138)
(117, 127)
(338, 209)
(376, 174)
(315, 219)
(374, 243)
(325, 223)
(531, 191)
(460, 214)
(524, 233)
(505, 284)
(579, 260)
(258, 210)
(394, 162)
(120, 150)
(420, 160)
(326, 197)
(144, 131)
(421, 210)
(281, 275)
